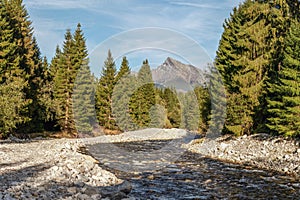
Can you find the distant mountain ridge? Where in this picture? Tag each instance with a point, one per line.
(173, 73)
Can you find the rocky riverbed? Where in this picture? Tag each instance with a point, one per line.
(150, 164)
(53, 169)
(260, 150)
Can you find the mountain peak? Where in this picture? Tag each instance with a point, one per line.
(175, 73)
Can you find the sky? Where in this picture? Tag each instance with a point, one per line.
(164, 23)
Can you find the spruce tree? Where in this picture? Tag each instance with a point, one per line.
(124, 69)
(143, 98)
(246, 52)
(173, 108)
(30, 62)
(12, 98)
(284, 92)
(84, 87)
(204, 104)
(190, 111)
(104, 94)
(124, 88)
(63, 86)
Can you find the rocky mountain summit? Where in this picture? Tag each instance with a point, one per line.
(174, 73)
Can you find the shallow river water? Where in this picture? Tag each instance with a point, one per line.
(190, 175)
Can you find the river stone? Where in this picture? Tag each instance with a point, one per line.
(91, 191)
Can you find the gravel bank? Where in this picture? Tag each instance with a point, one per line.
(260, 150)
(53, 169)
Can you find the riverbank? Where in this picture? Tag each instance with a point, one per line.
(55, 169)
(259, 150)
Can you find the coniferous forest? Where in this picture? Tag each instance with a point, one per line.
(258, 59)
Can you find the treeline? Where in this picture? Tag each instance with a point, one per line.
(64, 96)
(259, 60)
(125, 101)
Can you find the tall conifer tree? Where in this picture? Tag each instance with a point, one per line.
(84, 87)
(284, 92)
(143, 98)
(246, 52)
(104, 94)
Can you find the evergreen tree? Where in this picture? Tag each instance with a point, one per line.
(12, 103)
(12, 98)
(143, 98)
(125, 83)
(104, 94)
(203, 98)
(247, 49)
(30, 62)
(190, 111)
(63, 87)
(173, 109)
(217, 103)
(284, 92)
(124, 69)
(55, 62)
(84, 87)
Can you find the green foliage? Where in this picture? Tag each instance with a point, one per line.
(84, 87)
(172, 106)
(143, 97)
(124, 88)
(123, 91)
(20, 57)
(250, 44)
(203, 99)
(12, 104)
(284, 92)
(104, 93)
(70, 73)
(190, 111)
(63, 86)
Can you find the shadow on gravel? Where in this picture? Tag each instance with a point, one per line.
(52, 189)
(11, 164)
(194, 176)
(18, 141)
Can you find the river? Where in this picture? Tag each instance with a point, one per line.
(190, 175)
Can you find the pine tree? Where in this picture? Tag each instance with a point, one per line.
(30, 61)
(104, 94)
(12, 103)
(217, 103)
(246, 52)
(203, 98)
(190, 111)
(172, 106)
(12, 98)
(125, 83)
(84, 87)
(63, 86)
(143, 98)
(284, 93)
(124, 69)
(55, 62)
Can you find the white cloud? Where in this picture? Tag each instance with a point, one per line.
(136, 41)
(201, 21)
(60, 4)
(196, 5)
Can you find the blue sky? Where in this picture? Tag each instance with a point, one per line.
(199, 20)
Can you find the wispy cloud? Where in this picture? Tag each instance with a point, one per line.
(102, 19)
(195, 5)
(159, 42)
(61, 4)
